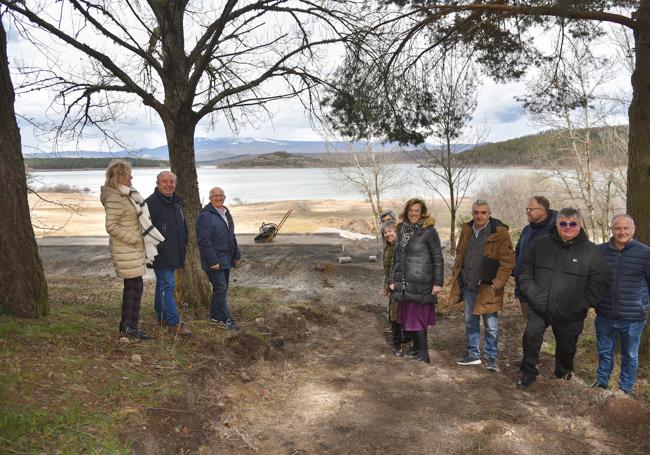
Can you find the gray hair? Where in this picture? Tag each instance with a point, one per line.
(389, 213)
(569, 212)
(161, 173)
(621, 215)
(481, 202)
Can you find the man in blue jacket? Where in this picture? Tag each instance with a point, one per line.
(215, 235)
(541, 221)
(165, 208)
(623, 311)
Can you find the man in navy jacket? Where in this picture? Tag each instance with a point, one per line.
(623, 311)
(541, 221)
(165, 208)
(215, 235)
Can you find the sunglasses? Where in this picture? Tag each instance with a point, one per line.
(564, 224)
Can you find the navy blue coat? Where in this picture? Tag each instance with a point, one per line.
(627, 298)
(530, 233)
(167, 216)
(216, 239)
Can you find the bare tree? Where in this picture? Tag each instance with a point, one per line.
(185, 62)
(452, 81)
(22, 279)
(569, 98)
(369, 172)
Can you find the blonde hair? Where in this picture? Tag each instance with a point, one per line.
(115, 171)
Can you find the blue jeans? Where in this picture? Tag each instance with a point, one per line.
(473, 329)
(219, 303)
(163, 302)
(607, 330)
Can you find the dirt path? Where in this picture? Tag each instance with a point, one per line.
(350, 395)
(332, 386)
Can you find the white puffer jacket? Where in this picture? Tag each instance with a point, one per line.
(123, 227)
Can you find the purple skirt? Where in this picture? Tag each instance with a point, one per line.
(415, 317)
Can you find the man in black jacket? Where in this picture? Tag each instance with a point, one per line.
(167, 217)
(562, 276)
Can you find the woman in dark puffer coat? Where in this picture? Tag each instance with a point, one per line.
(417, 274)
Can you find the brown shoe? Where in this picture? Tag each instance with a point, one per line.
(180, 329)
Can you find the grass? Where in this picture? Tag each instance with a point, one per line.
(68, 385)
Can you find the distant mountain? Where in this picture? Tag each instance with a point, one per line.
(219, 148)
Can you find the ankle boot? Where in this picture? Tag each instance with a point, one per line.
(415, 348)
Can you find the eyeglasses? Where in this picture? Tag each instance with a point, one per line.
(564, 224)
(219, 196)
(529, 209)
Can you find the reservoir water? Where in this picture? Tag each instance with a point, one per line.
(259, 185)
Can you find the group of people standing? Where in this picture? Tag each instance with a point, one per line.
(153, 233)
(559, 274)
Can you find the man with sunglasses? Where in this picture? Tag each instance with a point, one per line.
(541, 220)
(623, 312)
(562, 276)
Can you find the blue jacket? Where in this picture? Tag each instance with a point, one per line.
(530, 233)
(627, 298)
(216, 239)
(167, 215)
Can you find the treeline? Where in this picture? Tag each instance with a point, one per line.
(538, 150)
(88, 163)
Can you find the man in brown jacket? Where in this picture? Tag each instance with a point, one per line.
(484, 260)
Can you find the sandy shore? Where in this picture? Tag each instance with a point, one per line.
(74, 214)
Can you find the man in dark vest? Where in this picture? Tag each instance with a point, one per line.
(484, 262)
(623, 312)
(166, 212)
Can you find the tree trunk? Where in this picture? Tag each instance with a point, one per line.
(22, 280)
(192, 287)
(638, 172)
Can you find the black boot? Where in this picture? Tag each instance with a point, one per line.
(134, 333)
(415, 348)
(423, 354)
(396, 328)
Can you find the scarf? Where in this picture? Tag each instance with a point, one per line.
(150, 234)
(406, 231)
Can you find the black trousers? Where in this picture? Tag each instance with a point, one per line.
(566, 340)
(131, 297)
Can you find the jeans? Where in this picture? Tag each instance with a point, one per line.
(607, 330)
(219, 302)
(473, 329)
(164, 303)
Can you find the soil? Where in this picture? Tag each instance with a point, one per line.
(323, 378)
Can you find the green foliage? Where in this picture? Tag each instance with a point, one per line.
(87, 163)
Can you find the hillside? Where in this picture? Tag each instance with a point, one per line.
(272, 160)
(534, 150)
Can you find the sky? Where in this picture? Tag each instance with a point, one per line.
(498, 114)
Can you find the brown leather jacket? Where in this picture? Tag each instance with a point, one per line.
(498, 246)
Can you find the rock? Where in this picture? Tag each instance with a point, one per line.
(124, 340)
(136, 358)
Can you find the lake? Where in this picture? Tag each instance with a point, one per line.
(259, 185)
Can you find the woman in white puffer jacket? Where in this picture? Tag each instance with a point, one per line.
(126, 243)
